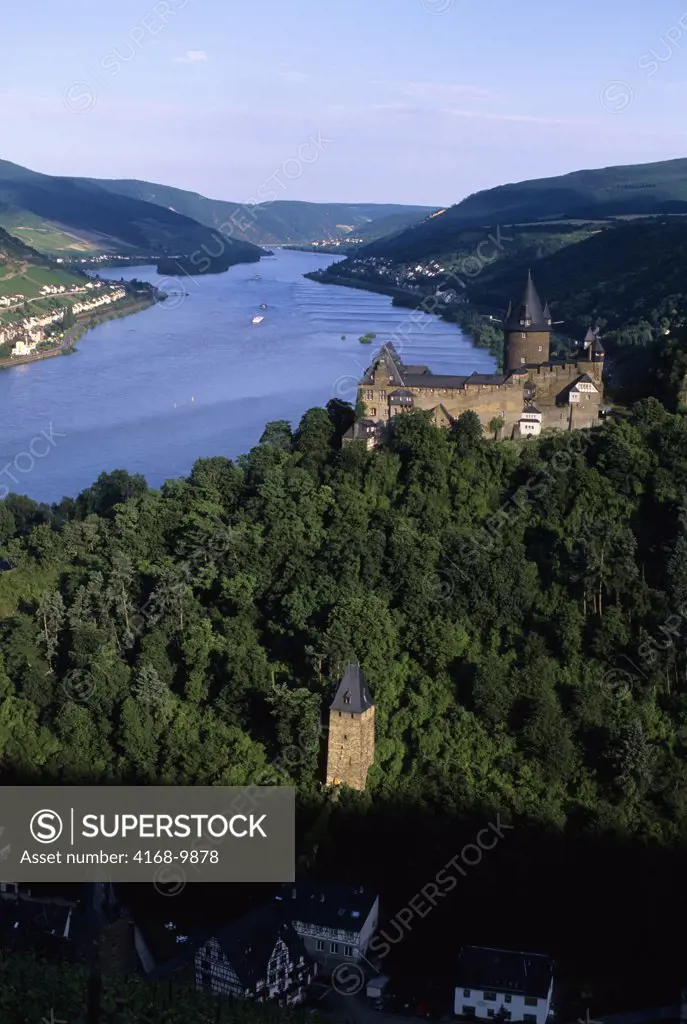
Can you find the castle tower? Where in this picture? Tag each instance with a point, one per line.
(351, 742)
(527, 331)
(593, 352)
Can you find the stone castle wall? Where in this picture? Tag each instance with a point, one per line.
(505, 401)
(350, 748)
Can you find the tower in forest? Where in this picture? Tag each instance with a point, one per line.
(528, 331)
(351, 741)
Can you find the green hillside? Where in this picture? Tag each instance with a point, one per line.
(618, 276)
(279, 222)
(609, 192)
(78, 210)
(24, 270)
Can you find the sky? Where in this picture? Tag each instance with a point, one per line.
(406, 101)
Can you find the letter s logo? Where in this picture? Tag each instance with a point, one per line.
(46, 826)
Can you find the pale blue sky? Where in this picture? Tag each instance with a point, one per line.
(422, 101)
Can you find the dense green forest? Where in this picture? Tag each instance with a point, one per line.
(518, 609)
(629, 279)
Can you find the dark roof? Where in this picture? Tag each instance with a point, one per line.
(532, 408)
(248, 943)
(400, 393)
(390, 356)
(585, 378)
(352, 695)
(414, 376)
(328, 905)
(434, 380)
(487, 378)
(503, 970)
(592, 343)
(361, 430)
(528, 315)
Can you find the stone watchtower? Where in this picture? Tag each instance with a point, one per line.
(351, 742)
(528, 331)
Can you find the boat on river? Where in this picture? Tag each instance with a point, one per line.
(258, 319)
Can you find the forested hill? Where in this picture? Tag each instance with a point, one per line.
(618, 276)
(42, 206)
(599, 194)
(519, 612)
(485, 645)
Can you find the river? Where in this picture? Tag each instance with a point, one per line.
(192, 377)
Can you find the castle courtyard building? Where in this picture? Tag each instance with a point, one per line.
(535, 393)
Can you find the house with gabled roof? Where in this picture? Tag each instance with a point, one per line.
(504, 984)
(336, 922)
(259, 956)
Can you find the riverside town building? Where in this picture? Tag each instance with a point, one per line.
(534, 392)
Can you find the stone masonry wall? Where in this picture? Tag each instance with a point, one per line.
(350, 748)
(505, 401)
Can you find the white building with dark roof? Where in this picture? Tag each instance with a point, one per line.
(335, 922)
(502, 983)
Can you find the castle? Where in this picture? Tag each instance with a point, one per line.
(534, 392)
(351, 739)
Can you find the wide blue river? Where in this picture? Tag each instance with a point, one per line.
(193, 377)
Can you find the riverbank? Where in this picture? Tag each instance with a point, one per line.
(66, 344)
(480, 329)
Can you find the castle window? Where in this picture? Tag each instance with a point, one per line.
(369, 395)
(522, 359)
(373, 412)
(347, 697)
(540, 348)
(382, 395)
(523, 335)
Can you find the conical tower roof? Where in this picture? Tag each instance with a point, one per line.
(352, 695)
(529, 314)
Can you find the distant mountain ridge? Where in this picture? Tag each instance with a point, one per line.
(284, 221)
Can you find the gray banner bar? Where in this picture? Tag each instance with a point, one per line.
(168, 835)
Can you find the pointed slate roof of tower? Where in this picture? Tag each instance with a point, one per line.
(529, 314)
(592, 343)
(352, 695)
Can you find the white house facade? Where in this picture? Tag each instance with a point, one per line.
(335, 922)
(497, 983)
